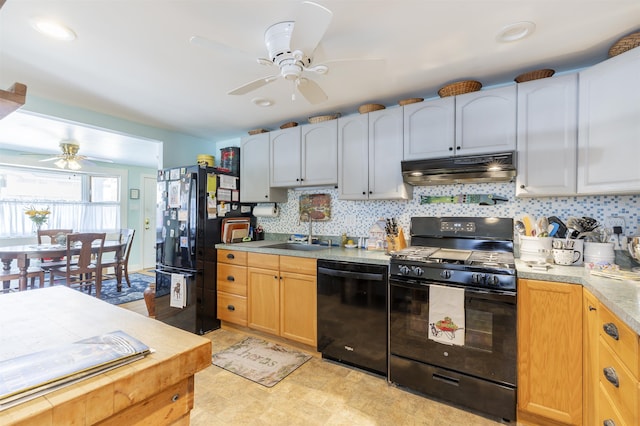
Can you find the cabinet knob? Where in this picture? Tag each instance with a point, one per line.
(611, 329)
(370, 192)
(230, 278)
(458, 148)
(231, 307)
(364, 193)
(591, 308)
(608, 422)
(230, 256)
(301, 179)
(611, 376)
(450, 148)
(297, 179)
(522, 187)
(266, 196)
(275, 277)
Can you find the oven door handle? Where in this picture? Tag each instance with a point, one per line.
(349, 274)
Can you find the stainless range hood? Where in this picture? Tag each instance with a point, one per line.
(461, 169)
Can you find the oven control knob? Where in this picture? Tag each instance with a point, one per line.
(493, 280)
(477, 278)
(418, 271)
(404, 270)
(445, 274)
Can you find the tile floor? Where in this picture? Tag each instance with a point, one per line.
(318, 393)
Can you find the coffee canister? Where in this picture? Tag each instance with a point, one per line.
(230, 159)
(206, 160)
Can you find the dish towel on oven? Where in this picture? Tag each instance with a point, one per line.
(446, 315)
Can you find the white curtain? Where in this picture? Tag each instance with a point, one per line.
(81, 217)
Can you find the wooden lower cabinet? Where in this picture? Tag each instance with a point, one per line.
(590, 334)
(618, 368)
(232, 286)
(549, 353)
(282, 296)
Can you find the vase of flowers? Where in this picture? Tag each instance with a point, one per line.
(38, 216)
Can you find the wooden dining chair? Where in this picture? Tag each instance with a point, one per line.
(33, 272)
(86, 269)
(126, 237)
(48, 236)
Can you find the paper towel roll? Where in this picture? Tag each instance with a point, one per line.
(266, 210)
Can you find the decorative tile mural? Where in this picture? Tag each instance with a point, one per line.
(356, 217)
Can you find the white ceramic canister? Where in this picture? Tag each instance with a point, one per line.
(599, 252)
(535, 249)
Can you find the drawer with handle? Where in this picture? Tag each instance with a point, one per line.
(622, 340)
(618, 383)
(233, 257)
(232, 279)
(232, 308)
(608, 415)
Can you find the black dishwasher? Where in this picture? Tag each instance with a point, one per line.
(352, 314)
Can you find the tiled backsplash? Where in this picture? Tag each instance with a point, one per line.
(356, 217)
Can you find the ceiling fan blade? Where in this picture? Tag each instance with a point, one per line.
(311, 22)
(101, 160)
(311, 91)
(253, 85)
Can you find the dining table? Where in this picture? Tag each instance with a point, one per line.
(23, 254)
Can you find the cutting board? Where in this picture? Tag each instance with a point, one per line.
(231, 224)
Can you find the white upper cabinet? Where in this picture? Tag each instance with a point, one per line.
(429, 129)
(369, 155)
(284, 155)
(486, 121)
(319, 143)
(254, 172)
(482, 122)
(609, 126)
(305, 155)
(547, 136)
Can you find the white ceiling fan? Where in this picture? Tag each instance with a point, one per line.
(291, 46)
(70, 159)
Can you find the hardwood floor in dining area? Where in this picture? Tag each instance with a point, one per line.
(319, 392)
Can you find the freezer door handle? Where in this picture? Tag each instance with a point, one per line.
(188, 275)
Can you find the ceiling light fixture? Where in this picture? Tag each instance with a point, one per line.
(68, 164)
(262, 102)
(53, 29)
(516, 31)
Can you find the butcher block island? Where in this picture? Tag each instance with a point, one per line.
(157, 389)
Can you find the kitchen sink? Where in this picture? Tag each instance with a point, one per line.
(297, 246)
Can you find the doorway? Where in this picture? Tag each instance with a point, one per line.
(149, 222)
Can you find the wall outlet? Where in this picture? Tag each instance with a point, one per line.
(350, 220)
(615, 221)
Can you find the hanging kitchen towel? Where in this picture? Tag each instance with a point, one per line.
(446, 315)
(178, 291)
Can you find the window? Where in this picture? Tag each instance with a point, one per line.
(80, 201)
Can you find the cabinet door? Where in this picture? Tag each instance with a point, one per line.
(320, 153)
(590, 374)
(609, 119)
(254, 171)
(298, 307)
(263, 300)
(486, 121)
(429, 129)
(547, 136)
(385, 155)
(549, 352)
(353, 157)
(285, 157)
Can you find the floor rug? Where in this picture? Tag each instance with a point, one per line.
(109, 292)
(260, 361)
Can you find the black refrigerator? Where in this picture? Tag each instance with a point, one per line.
(192, 202)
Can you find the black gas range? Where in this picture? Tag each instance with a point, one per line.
(474, 255)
